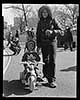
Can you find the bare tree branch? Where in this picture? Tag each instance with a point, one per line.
(14, 7)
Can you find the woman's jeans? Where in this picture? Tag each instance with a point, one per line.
(49, 55)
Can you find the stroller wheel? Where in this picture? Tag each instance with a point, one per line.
(22, 78)
(32, 83)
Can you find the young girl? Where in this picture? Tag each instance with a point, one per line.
(47, 30)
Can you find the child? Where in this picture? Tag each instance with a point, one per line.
(30, 56)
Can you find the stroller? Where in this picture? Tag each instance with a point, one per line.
(30, 60)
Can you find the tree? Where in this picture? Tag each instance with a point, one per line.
(23, 13)
(74, 11)
(21, 25)
(66, 15)
(61, 18)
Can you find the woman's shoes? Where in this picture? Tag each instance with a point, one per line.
(52, 84)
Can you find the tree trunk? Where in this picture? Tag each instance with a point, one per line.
(24, 14)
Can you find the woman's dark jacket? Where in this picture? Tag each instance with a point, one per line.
(43, 25)
(42, 39)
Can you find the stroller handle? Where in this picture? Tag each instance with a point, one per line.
(30, 63)
(41, 63)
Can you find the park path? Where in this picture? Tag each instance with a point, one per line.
(65, 74)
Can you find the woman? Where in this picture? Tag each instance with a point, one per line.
(47, 30)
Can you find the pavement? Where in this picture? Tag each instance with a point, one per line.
(65, 77)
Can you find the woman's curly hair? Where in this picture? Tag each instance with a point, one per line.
(41, 10)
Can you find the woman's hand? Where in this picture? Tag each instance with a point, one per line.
(48, 32)
(57, 31)
(61, 32)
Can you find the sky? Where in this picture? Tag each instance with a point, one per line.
(9, 13)
(8, 16)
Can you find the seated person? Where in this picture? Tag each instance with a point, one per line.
(13, 44)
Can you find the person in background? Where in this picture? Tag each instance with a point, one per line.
(47, 30)
(60, 41)
(10, 36)
(16, 40)
(68, 39)
(17, 36)
(11, 43)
